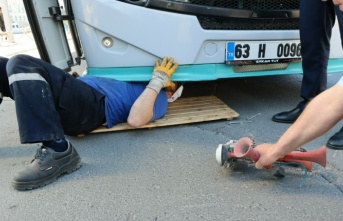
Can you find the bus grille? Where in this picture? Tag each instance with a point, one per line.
(213, 23)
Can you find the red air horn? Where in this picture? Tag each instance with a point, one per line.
(243, 148)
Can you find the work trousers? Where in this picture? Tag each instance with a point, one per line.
(50, 102)
(316, 21)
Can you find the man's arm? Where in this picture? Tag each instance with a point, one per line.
(142, 110)
(320, 115)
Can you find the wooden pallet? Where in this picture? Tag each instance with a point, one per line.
(184, 111)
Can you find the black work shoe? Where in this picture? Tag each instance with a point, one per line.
(288, 116)
(46, 167)
(336, 141)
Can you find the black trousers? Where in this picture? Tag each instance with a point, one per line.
(316, 21)
(51, 103)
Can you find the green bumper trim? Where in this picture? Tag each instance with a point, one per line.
(203, 72)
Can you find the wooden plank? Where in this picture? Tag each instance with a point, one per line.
(184, 111)
(196, 108)
(195, 104)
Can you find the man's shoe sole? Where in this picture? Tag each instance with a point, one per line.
(283, 121)
(334, 147)
(68, 168)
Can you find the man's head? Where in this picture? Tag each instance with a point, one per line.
(171, 89)
(174, 91)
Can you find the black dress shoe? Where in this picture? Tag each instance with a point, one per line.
(288, 116)
(336, 141)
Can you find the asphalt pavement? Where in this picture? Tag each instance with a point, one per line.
(170, 173)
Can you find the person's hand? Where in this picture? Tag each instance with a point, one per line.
(339, 3)
(166, 67)
(267, 155)
(161, 74)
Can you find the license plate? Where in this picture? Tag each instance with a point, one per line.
(262, 52)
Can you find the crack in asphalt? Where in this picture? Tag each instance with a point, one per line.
(331, 182)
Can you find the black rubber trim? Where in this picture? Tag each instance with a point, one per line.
(187, 8)
(74, 33)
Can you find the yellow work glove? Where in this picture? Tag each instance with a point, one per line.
(161, 74)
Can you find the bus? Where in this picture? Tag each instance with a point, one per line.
(209, 39)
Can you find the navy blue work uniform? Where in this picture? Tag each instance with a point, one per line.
(316, 21)
(51, 103)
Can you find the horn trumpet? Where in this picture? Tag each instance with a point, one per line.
(307, 164)
(317, 156)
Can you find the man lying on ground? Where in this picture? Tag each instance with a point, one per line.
(51, 103)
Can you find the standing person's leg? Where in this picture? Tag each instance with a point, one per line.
(38, 88)
(336, 141)
(315, 46)
(315, 33)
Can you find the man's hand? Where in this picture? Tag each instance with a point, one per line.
(161, 75)
(339, 3)
(267, 155)
(166, 68)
